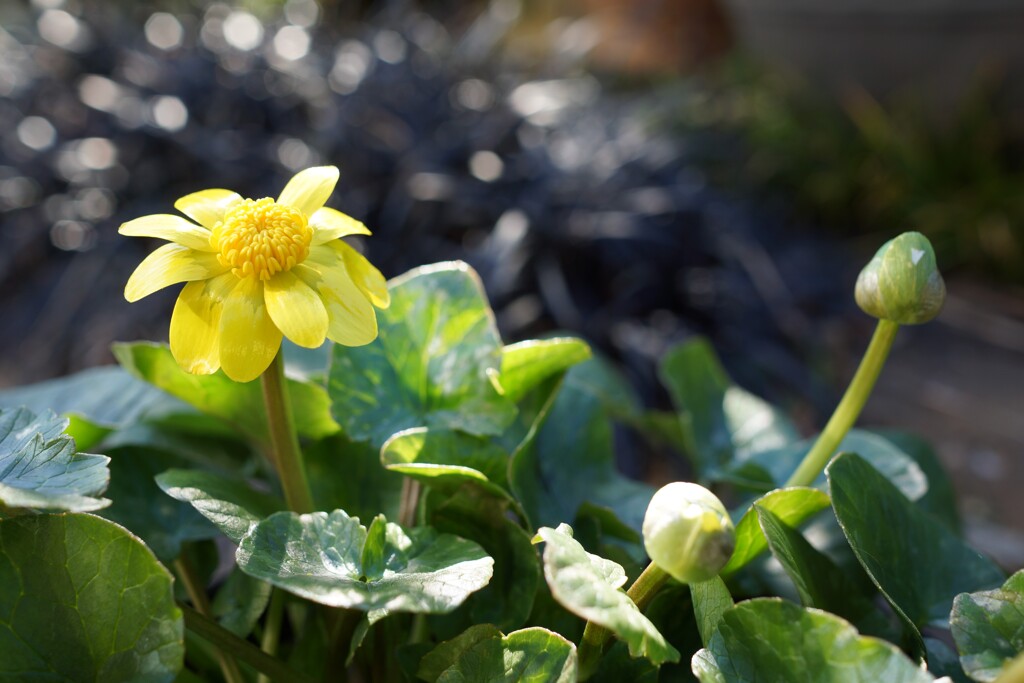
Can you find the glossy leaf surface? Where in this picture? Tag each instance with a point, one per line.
(532, 655)
(40, 468)
(988, 627)
(590, 587)
(915, 561)
(429, 366)
(240, 405)
(83, 599)
(334, 560)
(767, 640)
(231, 504)
(793, 506)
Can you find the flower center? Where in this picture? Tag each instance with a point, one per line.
(260, 238)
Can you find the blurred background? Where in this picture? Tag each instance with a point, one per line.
(636, 172)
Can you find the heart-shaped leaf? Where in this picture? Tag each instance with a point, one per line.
(988, 628)
(711, 599)
(83, 599)
(527, 364)
(446, 654)
(348, 475)
(818, 581)
(533, 655)
(793, 506)
(767, 640)
(240, 602)
(96, 400)
(568, 460)
(333, 560)
(940, 500)
(139, 505)
(915, 561)
(507, 600)
(240, 405)
(40, 470)
(229, 503)
(590, 587)
(430, 365)
(721, 422)
(445, 459)
(884, 456)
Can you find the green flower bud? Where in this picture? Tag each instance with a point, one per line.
(688, 533)
(902, 283)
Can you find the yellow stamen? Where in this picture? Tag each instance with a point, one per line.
(260, 238)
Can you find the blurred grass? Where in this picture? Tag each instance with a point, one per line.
(874, 169)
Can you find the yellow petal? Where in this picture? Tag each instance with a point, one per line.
(168, 265)
(351, 318)
(207, 207)
(330, 224)
(366, 276)
(249, 340)
(296, 309)
(172, 228)
(195, 324)
(308, 190)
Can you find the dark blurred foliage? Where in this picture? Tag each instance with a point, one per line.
(579, 214)
(876, 168)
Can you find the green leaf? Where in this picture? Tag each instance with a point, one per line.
(527, 364)
(105, 397)
(232, 505)
(618, 667)
(430, 365)
(139, 505)
(672, 612)
(915, 561)
(884, 456)
(240, 603)
(711, 599)
(348, 475)
(793, 506)
(768, 640)
(940, 500)
(446, 654)
(309, 365)
(590, 587)
(84, 600)
(320, 557)
(240, 405)
(532, 655)
(507, 600)
(818, 581)
(943, 661)
(988, 628)
(721, 421)
(40, 470)
(567, 460)
(447, 460)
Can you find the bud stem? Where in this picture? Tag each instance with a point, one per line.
(595, 637)
(849, 407)
(284, 442)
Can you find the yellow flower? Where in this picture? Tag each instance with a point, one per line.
(257, 270)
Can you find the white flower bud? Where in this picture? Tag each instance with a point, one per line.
(688, 532)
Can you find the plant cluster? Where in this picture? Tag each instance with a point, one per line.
(438, 506)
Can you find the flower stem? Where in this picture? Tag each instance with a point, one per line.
(243, 650)
(595, 637)
(409, 502)
(197, 594)
(272, 627)
(283, 440)
(849, 407)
